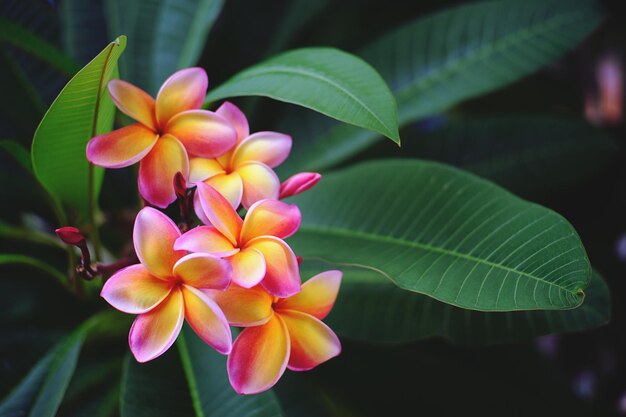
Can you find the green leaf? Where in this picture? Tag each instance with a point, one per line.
(190, 382)
(23, 158)
(21, 115)
(532, 156)
(440, 60)
(15, 259)
(327, 80)
(36, 46)
(371, 309)
(82, 110)
(444, 233)
(8, 232)
(173, 39)
(41, 392)
(19, 153)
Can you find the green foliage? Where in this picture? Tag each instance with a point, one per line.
(532, 156)
(326, 80)
(444, 233)
(16, 259)
(190, 382)
(82, 110)
(41, 392)
(19, 153)
(439, 60)
(37, 47)
(371, 309)
(163, 36)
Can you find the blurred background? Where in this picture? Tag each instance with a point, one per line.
(555, 137)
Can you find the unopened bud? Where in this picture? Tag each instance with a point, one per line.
(180, 185)
(298, 183)
(70, 235)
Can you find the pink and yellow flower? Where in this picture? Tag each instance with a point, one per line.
(244, 175)
(280, 332)
(254, 247)
(168, 129)
(166, 288)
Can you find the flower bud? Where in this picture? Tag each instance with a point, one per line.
(70, 235)
(298, 183)
(180, 185)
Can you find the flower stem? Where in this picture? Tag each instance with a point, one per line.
(95, 235)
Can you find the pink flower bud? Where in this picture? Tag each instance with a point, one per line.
(70, 235)
(180, 185)
(298, 183)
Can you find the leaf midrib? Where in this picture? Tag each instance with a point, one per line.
(486, 50)
(322, 77)
(389, 239)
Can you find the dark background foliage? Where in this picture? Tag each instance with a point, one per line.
(572, 374)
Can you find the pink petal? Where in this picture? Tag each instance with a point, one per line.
(206, 239)
(298, 183)
(207, 320)
(184, 90)
(158, 168)
(134, 290)
(201, 270)
(154, 235)
(312, 342)
(133, 102)
(282, 275)
(270, 148)
(259, 357)
(229, 186)
(259, 183)
(244, 307)
(219, 212)
(203, 133)
(317, 297)
(271, 218)
(202, 168)
(154, 332)
(122, 147)
(248, 267)
(236, 118)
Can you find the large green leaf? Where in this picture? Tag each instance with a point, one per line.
(41, 392)
(372, 309)
(82, 110)
(327, 80)
(439, 231)
(190, 382)
(164, 36)
(437, 61)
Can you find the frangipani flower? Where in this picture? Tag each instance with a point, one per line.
(244, 174)
(280, 332)
(165, 288)
(167, 130)
(254, 247)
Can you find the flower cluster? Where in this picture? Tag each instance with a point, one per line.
(229, 271)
